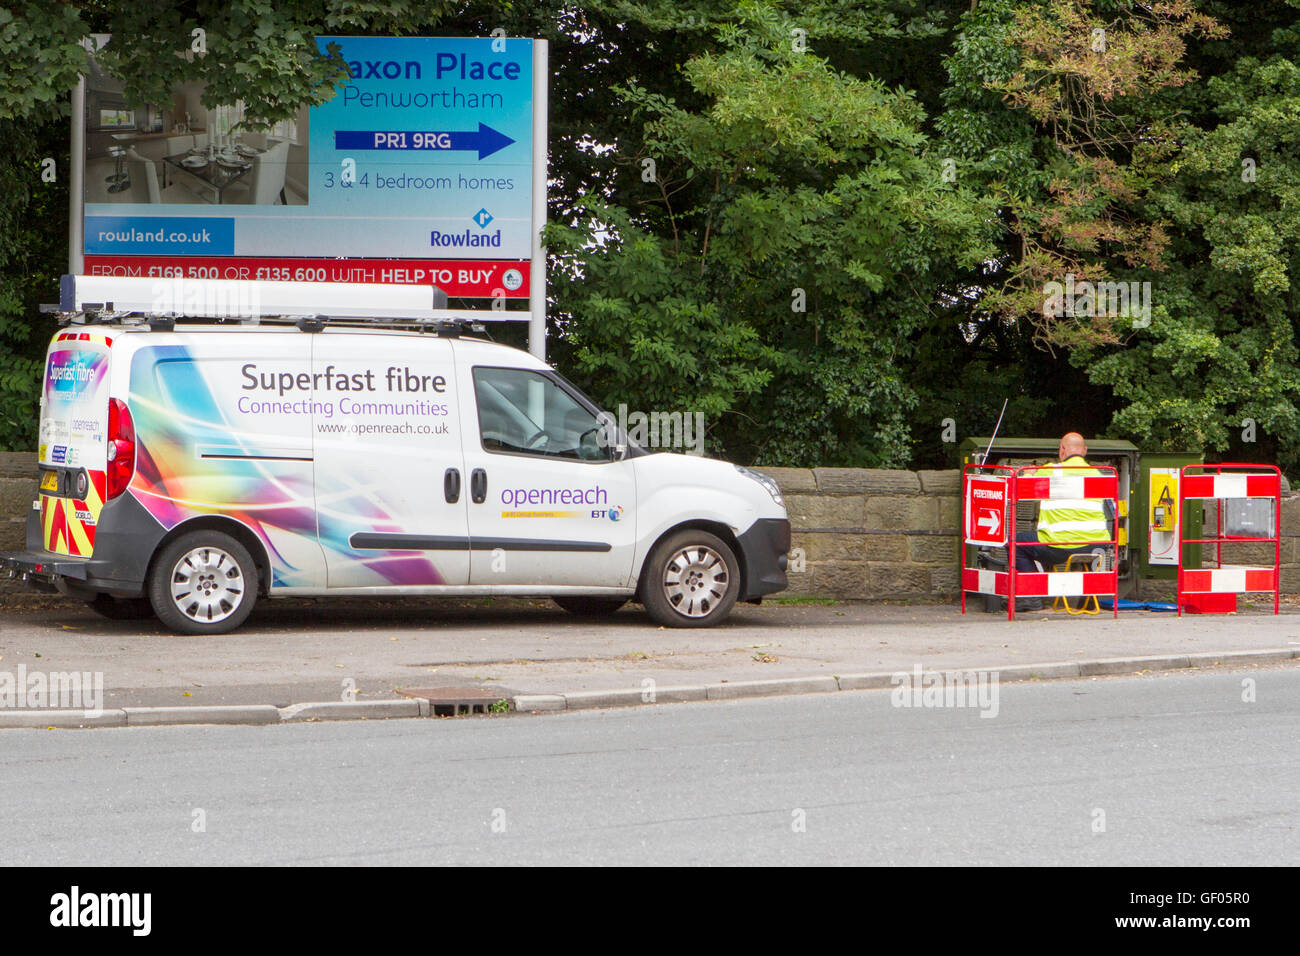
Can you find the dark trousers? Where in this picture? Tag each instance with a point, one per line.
(1045, 554)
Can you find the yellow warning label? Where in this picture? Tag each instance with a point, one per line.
(1164, 502)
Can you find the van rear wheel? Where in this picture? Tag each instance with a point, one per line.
(586, 606)
(692, 579)
(204, 582)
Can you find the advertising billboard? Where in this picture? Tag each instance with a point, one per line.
(419, 170)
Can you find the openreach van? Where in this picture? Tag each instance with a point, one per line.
(190, 467)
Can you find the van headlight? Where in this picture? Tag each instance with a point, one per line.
(768, 483)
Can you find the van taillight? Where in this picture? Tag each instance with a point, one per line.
(121, 447)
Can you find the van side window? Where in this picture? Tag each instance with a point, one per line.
(524, 413)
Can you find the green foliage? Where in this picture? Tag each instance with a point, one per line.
(1222, 347)
(33, 249)
(776, 264)
(854, 208)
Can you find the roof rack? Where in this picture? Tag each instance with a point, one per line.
(160, 302)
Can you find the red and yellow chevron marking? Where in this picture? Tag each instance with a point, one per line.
(65, 533)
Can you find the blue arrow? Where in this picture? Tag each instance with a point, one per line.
(485, 140)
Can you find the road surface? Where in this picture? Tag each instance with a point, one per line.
(1172, 769)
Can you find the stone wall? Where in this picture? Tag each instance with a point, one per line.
(867, 534)
(893, 535)
(859, 534)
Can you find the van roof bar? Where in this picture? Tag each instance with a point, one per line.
(112, 298)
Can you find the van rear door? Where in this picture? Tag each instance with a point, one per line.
(73, 440)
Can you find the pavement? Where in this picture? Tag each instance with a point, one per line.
(384, 658)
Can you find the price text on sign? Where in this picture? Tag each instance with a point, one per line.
(986, 511)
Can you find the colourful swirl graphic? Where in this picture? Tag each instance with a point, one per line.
(189, 464)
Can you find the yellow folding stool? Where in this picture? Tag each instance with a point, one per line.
(1086, 561)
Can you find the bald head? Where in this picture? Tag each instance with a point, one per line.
(1072, 444)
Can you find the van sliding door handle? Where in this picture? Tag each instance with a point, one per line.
(451, 485)
(478, 486)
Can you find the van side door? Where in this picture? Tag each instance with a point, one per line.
(391, 494)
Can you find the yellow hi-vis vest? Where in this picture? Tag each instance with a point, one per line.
(1066, 521)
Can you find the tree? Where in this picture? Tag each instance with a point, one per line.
(786, 242)
(830, 225)
(1218, 369)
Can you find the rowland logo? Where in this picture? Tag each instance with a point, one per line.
(75, 909)
(444, 240)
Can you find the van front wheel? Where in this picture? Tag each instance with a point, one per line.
(204, 582)
(692, 580)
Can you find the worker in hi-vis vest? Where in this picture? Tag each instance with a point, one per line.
(1064, 524)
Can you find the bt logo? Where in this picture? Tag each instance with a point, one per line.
(613, 514)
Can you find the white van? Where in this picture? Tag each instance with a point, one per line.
(189, 469)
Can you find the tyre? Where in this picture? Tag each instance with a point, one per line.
(204, 582)
(691, 579)
(121, 609)
(585, 606)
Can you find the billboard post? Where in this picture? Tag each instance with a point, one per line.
(77, 178)
(537, 271)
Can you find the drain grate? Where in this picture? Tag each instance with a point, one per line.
(454, 701)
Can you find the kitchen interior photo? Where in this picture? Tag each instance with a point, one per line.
(180, 152)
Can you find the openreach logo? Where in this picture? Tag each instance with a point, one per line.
(57, 690)
(977, 689)
(76, 909)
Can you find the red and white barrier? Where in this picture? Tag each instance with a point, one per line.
(1230, 480)
(1022, 484)
(1069, 486)
(1239, 579)
(1231, 486)
(1039, 584)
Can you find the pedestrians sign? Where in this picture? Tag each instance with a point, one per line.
(986, 511)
